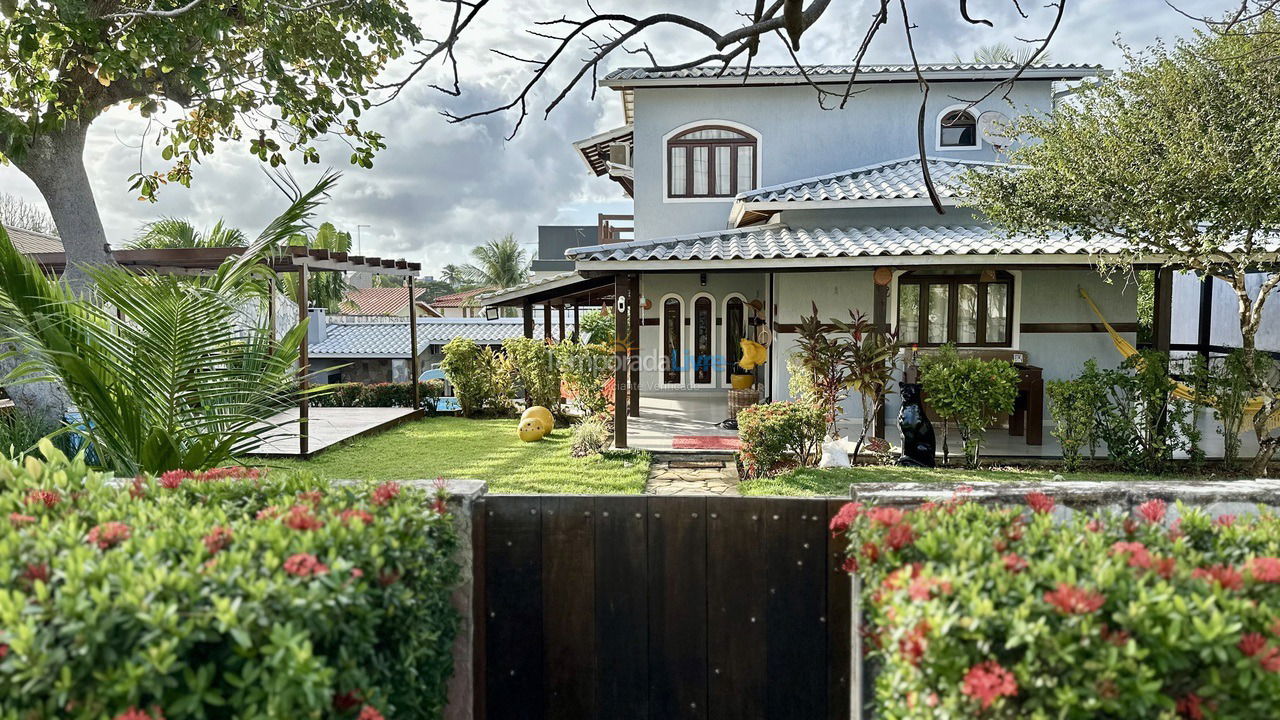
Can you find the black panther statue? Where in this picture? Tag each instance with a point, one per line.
(918, 443)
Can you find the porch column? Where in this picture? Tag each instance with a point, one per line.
(1204, 333)
(561, 309)
(414, 370)
(546, 320)
(634, 311)
(304, 366)
(620, 373)
(577, 322)
(880, 316)
(1162, 314)
(527, 314)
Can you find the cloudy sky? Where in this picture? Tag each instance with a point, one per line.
(440, 188)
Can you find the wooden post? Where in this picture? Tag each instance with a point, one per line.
(1204, 333)
(1162, 314)
(561, 309)
(620, 373)
(413, 345)
(527, 311)
(880, 317)
(577, 323)
(546, 320)
(304, 366)
(633, 343)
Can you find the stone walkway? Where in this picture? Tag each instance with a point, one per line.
(673, 476)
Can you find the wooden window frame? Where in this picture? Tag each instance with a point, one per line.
(679, 141)
(953, 307)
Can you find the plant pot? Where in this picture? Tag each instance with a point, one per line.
(742, 382)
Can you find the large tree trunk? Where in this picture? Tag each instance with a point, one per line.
(55, 163)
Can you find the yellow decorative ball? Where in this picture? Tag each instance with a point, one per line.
(532, 430)
(541, 413)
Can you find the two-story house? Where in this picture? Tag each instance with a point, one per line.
(754, 201)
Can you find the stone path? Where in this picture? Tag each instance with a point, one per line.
(673, 476)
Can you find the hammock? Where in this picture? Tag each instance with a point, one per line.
(1182, 391)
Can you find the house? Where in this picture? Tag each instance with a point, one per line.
(459, 305)
(553, 241)
(371, 349)
(384, 301)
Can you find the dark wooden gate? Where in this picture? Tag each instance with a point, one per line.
(636, 607)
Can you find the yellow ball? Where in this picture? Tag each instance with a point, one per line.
(540, 413)
(532, 430)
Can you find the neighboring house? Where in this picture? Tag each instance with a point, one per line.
(393, 302)
(753, 204)
(376, 349)
(553, 242)
(459, 305)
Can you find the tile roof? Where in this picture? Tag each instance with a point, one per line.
(781, 241)
(623, 76)
(460, 299)
(895, 179)
(390, 338)
(29, 242)
(376, 301)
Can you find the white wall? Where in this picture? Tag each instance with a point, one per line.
(1225, 322)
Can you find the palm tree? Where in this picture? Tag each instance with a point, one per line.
(498, 263)
(325, 289)
(1001, 54)
(455, 276)
(174, 232)
(181, 382)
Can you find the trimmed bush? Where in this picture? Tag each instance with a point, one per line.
(223, 595)
(535, 366)
(381, 395)
(481, 379)
(976, 611)
(971, 392)
(769, 433)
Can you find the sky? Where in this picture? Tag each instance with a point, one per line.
(440, 188)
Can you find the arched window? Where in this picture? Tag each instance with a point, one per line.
(704, 323)
(672, 321)
(958, 129)
(735, 328)
(710, 161)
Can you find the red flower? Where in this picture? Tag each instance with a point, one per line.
(1139, 557)
(1130, 526)
(986, 682)
(1072, 600)
(134, 713)
(368, 712)
(886, 516)
(850, 565)
(1119, 638)
(19, 520)
(845, 517)
(1252, 643)
(1094, 526)
(1270, 660)
(300, 518)
(268, 512)
(1275, 627)
(1040, 502)
(356, 573)
(1164, 566)
(172, 480)
(139, 489)
(1225, 521)
(218, 539)
(1153, 510)
(1264, 569)
(914, 644)
(108, 535)
(388, 577)
(1224, 575)
(4, 650)
(348, 700)
(305, 565)
(1190, 706)
(311, 498)
(385, 493)
(1014, 564)
(899, 537)
(48, 498)
(229, 473)
(346, 516)
(36, 571)
(870, 551)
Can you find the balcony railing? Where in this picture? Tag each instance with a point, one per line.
(615, 228)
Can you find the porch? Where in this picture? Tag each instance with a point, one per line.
(326, 428)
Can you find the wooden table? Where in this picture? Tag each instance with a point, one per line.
(1028, 408)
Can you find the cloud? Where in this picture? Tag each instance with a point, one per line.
(442, 188)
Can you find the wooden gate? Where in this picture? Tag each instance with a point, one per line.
(636, 607)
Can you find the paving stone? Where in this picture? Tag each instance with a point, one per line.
(696, 464)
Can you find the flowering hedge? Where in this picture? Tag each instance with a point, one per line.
(975, 611)
(771, 432)
(223, 594)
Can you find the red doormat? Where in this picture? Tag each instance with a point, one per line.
(705, 442)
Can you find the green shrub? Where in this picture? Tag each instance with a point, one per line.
(21, 429)
(971, 392)
(597, 327)
(1072, 403)
(1226, 383)
(591, 436)
(381, 395)
(986, 612)
(1138, 417)
(481, 378)
(536, 369)
(585, 369)
(223, 595)
(771, 432)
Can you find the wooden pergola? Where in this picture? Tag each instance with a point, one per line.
(295, 259)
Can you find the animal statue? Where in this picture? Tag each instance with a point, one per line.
(918, 443)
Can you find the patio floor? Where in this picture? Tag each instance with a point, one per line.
(329, 426)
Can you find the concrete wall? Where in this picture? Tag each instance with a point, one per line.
(798, 139)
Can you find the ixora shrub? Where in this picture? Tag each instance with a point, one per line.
(224, 594)
(971, 392)
(481, 378)
(536, 369)
(976, 611)
(381, 395)
(1072, 403)
(769, 433)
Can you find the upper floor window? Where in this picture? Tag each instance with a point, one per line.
(958, 129)
(710, 161)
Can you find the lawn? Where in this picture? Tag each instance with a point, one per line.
(836, 481)
(486, 450)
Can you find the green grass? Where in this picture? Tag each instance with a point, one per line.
(486, 450)
(836, 481)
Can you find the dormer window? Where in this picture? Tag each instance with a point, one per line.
(710, 161)
(958, 129)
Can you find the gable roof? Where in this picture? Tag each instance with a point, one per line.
(460, 299)
(893, 180)
(377, 300)
(30, 242)
(791, 74)
(363, 338)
